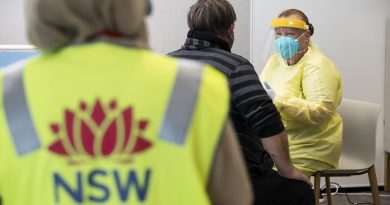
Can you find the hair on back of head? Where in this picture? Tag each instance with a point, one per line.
(211, 15)
(302, 16)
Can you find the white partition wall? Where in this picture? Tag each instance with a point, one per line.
(387, 89)
(12, 23)
(352, 34)
(167, 25)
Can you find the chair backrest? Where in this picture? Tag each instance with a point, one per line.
(359, 133)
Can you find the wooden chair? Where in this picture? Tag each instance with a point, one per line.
(387, 168)
(358, 154)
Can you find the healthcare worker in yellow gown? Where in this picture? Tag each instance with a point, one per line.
(306, 87)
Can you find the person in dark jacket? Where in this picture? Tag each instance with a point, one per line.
(256, 119)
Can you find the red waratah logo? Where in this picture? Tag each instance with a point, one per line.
(99, 131)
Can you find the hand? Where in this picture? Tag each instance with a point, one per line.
(277, 147)
(271, 93)
(297, 175)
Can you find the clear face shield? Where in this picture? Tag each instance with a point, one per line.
(283, 39)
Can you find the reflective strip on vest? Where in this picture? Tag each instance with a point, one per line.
(182, 102)
(16, 110)
(175, 125)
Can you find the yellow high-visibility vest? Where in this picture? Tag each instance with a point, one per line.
(105, 124)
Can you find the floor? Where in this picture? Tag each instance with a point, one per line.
(359, 198)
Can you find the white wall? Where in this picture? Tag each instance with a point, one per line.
(352, 34)
(12, 23)
(387, 87)
(168, 25)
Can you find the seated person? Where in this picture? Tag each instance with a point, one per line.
(306, 87)
(258, 124)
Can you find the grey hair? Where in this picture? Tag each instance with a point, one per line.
(53, 24)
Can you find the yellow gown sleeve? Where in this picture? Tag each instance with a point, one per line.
(321, 94)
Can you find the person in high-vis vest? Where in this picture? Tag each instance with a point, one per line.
(100, 119)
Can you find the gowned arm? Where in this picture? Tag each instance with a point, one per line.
(321, 89)
(252, 102)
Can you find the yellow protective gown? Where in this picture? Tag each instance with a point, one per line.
(307, 95)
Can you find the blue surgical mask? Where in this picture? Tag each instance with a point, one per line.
(287, 47)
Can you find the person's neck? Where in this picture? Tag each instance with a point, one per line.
(119, 39)
(211, 37)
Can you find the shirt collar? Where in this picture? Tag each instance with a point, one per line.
(197, 39)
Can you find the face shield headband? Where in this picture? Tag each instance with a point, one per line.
(292, 23)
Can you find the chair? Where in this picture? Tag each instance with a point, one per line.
(358, 154)
(387, 113)
(387, 160)
(387, 168)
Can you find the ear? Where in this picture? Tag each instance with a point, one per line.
(308, 33)
(231, 29)
(230, 33)
(148, 7)
(307, 36)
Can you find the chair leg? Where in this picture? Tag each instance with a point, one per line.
(387, 172)
(328, 191)
(317, 181)
(374, 185)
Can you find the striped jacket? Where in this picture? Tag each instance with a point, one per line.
(252, 111)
